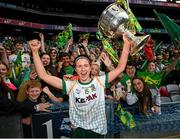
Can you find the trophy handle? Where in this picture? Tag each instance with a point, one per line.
(138, 41)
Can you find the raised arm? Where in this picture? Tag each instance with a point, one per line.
(122, 61)
(85, 46)
(68, 45)
(172, 66)
(51, 80)
(41, 35)
(51, 96)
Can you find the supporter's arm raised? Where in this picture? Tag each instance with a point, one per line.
(85, 46)
(122, 61)
(51, 80)
(107, 61)
(68, 45)
(41, 35)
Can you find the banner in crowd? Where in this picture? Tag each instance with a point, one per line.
(151, 78)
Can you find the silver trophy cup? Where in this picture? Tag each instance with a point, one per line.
(113, 22)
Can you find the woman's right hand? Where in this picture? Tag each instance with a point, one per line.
(126, 40)
(41, 35)
(34, 45)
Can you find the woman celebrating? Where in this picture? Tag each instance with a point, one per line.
(86, 95)
(147, 101)
(54, 57)
(4, 74)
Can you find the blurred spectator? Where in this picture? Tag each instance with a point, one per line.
(148, 102)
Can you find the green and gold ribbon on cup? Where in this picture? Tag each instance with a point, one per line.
(107, 47)
(133, 22)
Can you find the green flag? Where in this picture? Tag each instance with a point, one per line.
(151, 78)
(171, 27)
(64, 36)
(18, 61)
(17, 69)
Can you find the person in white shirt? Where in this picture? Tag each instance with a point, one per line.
(86, 95)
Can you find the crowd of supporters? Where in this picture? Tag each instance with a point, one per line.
(24, 92)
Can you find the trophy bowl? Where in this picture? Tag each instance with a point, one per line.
(114, 21)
